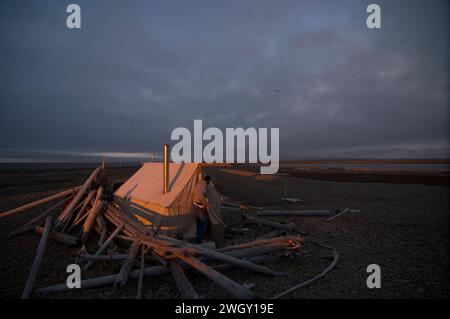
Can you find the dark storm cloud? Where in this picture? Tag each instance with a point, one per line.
(136, 71)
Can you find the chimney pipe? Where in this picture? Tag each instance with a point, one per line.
(166, 169)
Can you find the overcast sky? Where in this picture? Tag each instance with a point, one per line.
(138, 69)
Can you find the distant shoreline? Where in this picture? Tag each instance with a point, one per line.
(116, 162)
(283, 163)
(367, 161)
(61, 165)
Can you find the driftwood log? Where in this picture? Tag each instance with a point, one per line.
(83, 208)
(40, 202)
(104, 246)
(32, 223)
(37, 260)
(237, 262)
(255, 220)
(104, 280)
(60, 237)
(158, 258)
(339, 214)
(217, 255)
(128, 265)
(184, 286)
(226, 283)
(141, 274)
(73, 220)
(148, 272)
(83, 212)
(69, 209)
(301, 213)
(103, 230)
(257, 251)
(89, 224)
(296, 213)
(286, 239)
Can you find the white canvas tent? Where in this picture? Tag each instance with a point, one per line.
(170, 213)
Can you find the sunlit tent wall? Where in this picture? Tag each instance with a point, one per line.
(170, 213)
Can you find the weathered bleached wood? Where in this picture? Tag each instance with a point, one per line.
(39, 202)
(301, 213)
(223, 281)
(69, 221)
(132, 225)
(255, 248)
(97, 229)
(255, 220)
(257, 251)
(104, 280)
(236, 262)
(216, 255)
(37, 259)
(291, 200)
(32, 223)
(141, 273)
(296, 213)
(125, 238)
(128, 265)
(128, 230)
(103, 230)
(338, 214)
(208, 245)
(226, 283)
(185, 287)
(86, 202)
(69, 209)
(105, 245)
(99, 195)
(80, 220)
(254, 243)
(129, 220)
(89, 223)
(158, 258)
(148, 272)
(84, 211)
(291, 242)
(74, 219)
(60, 237)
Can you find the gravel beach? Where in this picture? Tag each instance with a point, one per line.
(401, 227)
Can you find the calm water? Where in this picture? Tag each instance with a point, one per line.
(424, 167)
(37, 166)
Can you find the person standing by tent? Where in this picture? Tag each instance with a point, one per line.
(200, 203)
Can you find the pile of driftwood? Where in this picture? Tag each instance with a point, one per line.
(90, 208)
